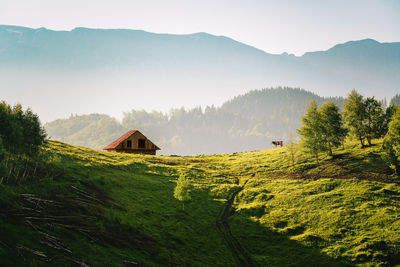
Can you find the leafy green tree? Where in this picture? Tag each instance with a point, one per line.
(311, 131)
(22, 135)
(332, 128)
(354, 115)
(34, 134)
(182, 190)
(374, 119)
(387, 117)
(391, 142)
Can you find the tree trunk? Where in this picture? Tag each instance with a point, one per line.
(183, 206)
(330, 150)
(25, 170)
(362, 142)
(316, 157)
(369, 141)
(34, 170)
(10, 172)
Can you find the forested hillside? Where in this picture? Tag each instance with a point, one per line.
(246, 122)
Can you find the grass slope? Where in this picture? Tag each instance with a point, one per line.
(112, 209)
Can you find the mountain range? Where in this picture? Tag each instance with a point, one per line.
(114, 70)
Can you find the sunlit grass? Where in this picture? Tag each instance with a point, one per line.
(344, 210)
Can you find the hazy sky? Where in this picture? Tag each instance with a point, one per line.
(273, 26)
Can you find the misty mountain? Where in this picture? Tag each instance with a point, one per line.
(111, 71)
(246, 122)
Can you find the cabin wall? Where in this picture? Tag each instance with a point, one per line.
(137, 151)
(135, 143)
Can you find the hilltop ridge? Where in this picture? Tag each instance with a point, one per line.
(98, 66)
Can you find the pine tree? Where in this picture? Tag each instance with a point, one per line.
(391, 143)
(354, 114)
(311, 131)
(182, 190)
(332, 128)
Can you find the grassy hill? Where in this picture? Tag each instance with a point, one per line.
(247, 209)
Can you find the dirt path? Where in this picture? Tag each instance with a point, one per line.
(239, 253)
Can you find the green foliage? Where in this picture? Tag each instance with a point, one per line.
(3, 157)
(354, 115)
(182, 190)
(392, 142)
(322, 129)
(22, 136)
(332, 126)
(311, 133)
(374, 119)
(366, 118)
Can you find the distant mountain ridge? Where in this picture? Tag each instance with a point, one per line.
(115, 70)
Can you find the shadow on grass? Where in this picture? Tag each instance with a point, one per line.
(270, 248)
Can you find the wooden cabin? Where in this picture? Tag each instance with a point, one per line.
(133, 142)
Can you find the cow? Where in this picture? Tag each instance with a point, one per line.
(277, 143)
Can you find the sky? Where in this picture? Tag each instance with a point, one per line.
(273, 26)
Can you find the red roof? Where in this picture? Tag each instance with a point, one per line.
(125, 136)
(114, 144)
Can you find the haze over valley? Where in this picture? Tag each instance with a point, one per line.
(85, 71)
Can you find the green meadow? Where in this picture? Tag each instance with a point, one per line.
(247, 209)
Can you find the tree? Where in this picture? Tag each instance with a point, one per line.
(332, 128)
(22, 136)
(3, 168)
(354, 114)
(292, 147)
(311, 131)
(391, 142)
(387, 117)
(182, 190)
(374, 119)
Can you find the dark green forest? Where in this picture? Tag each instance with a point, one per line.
(246, 122)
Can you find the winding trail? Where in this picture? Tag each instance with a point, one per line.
(239, 253)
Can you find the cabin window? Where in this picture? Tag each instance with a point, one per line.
(129, 143)
(141, 143)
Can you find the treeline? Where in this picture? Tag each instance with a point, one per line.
(365, 119)
(21, 137)
(247, 122)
